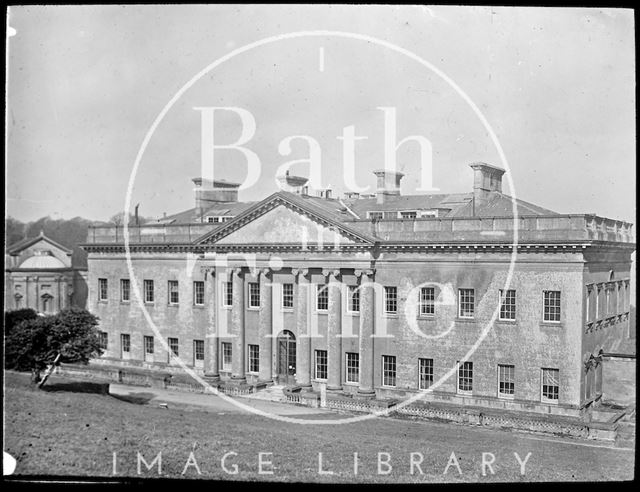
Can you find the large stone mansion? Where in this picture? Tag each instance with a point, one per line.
(378, 296)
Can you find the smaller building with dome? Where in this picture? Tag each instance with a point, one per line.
(40, 274)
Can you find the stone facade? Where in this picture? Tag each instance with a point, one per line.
(277, 254)
(39, 274)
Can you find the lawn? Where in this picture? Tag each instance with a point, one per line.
(75, 431)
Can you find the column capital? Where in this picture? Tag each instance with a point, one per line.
(235, 270)
(264, 272)
(331, 271)
(367, 272)
(206, 270)
(300, 271)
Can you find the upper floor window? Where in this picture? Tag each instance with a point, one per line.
(508, 304)
(375, 215)
(227, 294)
(322, 298)
(427, 301)
(198, 292)
(125, 290)
(148, 291)
(173, 292)
(353, 304)
(287, 296)
(466, 303)
(390, 299)
(103, 290)
(254, 294)
(551, 305)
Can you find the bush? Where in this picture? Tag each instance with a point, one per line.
(69, 336)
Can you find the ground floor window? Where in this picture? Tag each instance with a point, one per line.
(321, 364)
(506, 380)
(550, 385)
(173, 347)
(425, 367)
(125, 345)
(198, 353)
(254, 358)
(226, 356)
(103, 339)
(465, 377)
(388, 370)
(352, 374)
(148, 349)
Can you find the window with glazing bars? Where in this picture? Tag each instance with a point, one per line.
(173, 292)
(465, 377)
(388, 370)
(425, 368)
(148, 291)
(103, 290)
(352, 374)
(508, 304)
(427, 301)
(227, 294)
(173, 346)
(354, 299)
(506, 380)
(551, 305)
(287, 296)
(198, 292)
(550, 384)
(254, 294)
(466, 303)
(322, 298)
(254, 358)
(390, 299)
(125, 290)
(321, 364)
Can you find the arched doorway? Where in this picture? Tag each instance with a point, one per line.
(286, 350)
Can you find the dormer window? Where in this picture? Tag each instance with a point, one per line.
(216, 219)
(408, 214)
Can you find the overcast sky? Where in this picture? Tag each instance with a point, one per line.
(86, 83)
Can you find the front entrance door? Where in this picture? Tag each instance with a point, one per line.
(286, 358)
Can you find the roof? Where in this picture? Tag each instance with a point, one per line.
(190, 216)
(25, 243)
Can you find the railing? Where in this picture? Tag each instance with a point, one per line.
(530, 228)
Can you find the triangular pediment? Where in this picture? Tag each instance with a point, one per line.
(281, 220)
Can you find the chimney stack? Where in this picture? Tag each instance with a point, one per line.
(293, 184)
(388, 184)
(209, 192)
(486, 179)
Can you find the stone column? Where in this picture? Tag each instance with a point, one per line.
(237, 326)
(334, 332)
(303, 347)
(265, 325)
(366, 341)
(211, 371)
